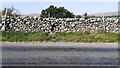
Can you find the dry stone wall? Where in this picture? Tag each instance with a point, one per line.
(27, 23)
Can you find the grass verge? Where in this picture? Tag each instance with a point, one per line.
(101, 36)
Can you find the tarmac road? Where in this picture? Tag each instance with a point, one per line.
(59, 53)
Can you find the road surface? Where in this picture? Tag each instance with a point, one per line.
(59, 53)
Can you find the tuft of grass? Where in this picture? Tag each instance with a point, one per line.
(100, 36)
